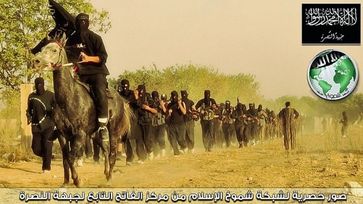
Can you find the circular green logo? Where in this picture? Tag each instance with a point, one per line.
(332, 75)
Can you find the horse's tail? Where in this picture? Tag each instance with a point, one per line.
(127, 115)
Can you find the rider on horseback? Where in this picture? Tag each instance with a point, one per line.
(88, 48)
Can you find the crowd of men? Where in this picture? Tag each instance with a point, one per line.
(157, 117)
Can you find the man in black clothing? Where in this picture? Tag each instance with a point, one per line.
(252, 124)
(88, 48)
(40, 114)
(189, 120)
(218, 136)
(144, 112)
(134, 144)
(206, 107)
(124, 90)
(227, 122)
(240, 124)
(158, 124)
(176, 111)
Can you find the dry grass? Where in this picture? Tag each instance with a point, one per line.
(332, 140)
(10, 146)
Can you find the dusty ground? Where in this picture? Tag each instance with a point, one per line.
(320, 161)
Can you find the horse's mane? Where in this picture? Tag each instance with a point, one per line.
(56, 38)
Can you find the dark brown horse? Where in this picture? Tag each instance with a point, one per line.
(75, 114)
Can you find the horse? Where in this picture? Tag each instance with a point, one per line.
(75, 113)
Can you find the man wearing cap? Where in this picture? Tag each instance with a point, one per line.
(86, 49)
(206, 107)
(40, 114)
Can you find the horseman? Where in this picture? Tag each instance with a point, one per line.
(76, 113)
(88, 48)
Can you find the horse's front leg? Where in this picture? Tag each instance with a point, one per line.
(64, 145)
(75, 153)
(115, 139)
(104, 140)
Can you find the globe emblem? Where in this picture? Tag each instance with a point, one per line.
(332, 75)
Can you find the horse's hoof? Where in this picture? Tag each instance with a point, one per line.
(77, 182)
(109, 177)
(105, 185)
(65, 183)
(107, 174)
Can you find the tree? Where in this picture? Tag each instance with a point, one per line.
(195, 79)
(23, 24)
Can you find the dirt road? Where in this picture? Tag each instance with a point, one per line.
(263, 165)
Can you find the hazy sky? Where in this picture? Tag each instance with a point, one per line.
(234, 36)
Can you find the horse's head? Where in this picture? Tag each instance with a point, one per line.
(51, 54)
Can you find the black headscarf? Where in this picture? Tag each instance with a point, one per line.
(174, 96)
(124, 86)
(82, 24)
(207, 97)
(228, 104)
(39, 86)
(184, 94)
(259, 107)
(155, 95)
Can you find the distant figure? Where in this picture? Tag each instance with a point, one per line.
(344, 122)
(360, 119)
(288, 118)
(40, 114)
(324, 124)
